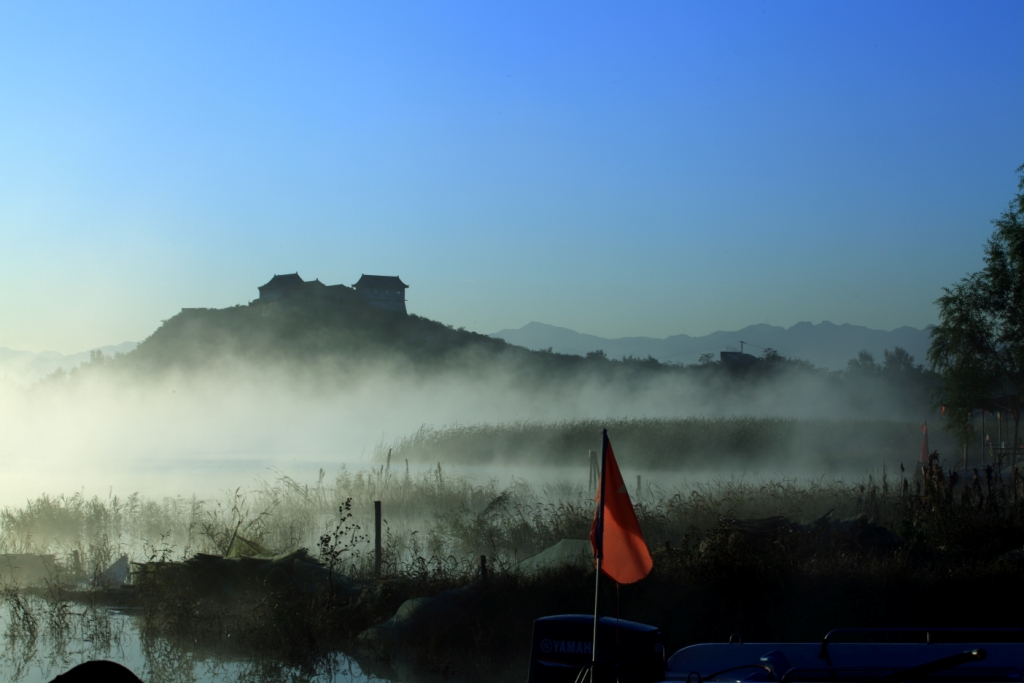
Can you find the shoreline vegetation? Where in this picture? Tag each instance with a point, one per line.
(675, 444)
(768, 559)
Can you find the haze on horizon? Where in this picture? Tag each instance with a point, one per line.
(619, 170)
(209, 405)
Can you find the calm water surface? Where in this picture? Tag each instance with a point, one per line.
(41, 640)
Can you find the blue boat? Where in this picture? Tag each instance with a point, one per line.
(629, 652)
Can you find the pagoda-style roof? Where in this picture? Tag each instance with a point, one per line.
(289, 280)
(380, 282)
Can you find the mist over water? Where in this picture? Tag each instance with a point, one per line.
(473, 455)
(202, 433)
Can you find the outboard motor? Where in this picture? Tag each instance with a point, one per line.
(626, 650)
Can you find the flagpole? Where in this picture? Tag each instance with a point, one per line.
(593, 645)
(599, 537)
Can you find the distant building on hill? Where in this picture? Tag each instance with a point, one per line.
(282, 287)
(291, 287)
(382, 291)
(377, 291)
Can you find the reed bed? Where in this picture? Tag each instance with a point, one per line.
(436, 517)
(713, 576)
(431, 518)
(828, 445)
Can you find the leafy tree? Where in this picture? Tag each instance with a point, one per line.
(978, 345)
(898, 363)
(863, 365)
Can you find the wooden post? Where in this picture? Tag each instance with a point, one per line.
(483, 568)
(982, 437)
(376, 538)
(999, 418)
(966, 441)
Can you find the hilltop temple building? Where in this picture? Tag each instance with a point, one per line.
(382, 291)
(385, 292)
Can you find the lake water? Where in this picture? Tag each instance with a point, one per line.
(68, 634)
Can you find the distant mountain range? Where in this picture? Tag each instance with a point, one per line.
(26, 367)
(826, 345)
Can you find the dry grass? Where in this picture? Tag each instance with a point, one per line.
(707, 582)
(431, 518)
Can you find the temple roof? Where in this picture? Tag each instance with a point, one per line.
(289, 280)
(380, 282)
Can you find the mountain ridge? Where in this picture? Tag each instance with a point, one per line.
(826, 344)
(26, 367)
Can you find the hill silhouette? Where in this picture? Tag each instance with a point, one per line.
(323, 340)
(304, 332)
(325, 343)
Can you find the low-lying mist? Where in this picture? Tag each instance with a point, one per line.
(201, 431)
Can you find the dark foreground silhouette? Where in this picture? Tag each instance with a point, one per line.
(99, 670)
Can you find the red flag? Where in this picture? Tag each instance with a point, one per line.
(924, 443)
(615, 534)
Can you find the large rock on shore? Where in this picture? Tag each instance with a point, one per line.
(568, 551)
(416, 615)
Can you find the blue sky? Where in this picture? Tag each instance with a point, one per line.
(620, 169)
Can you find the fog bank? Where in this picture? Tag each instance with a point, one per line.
(201, 432)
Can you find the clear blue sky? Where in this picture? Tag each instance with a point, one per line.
(620, 169)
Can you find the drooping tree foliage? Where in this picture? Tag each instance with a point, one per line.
(978, 345)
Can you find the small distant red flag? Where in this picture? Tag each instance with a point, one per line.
(924, 442)
(615, 534)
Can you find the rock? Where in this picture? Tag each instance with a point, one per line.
(568, 551)
(114, 575)
(243, 547)
(416, 614)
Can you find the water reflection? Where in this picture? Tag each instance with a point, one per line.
(44, 637)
